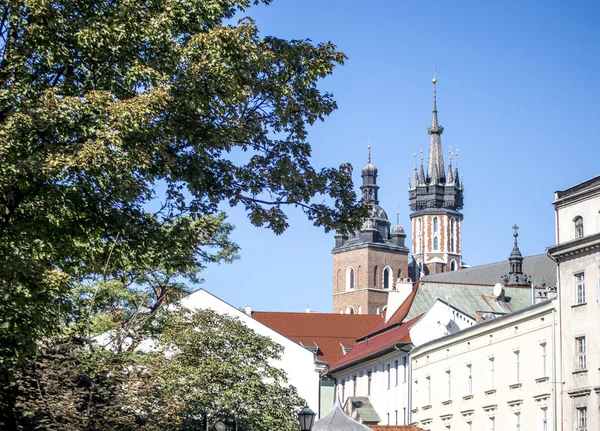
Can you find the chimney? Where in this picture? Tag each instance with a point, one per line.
(248, 310)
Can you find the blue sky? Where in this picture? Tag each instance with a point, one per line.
(517, 94)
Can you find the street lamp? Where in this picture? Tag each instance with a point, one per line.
(306, 418)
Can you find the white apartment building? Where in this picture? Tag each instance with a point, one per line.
(494, 376)
(577, 253)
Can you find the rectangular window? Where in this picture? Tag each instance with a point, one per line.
(388, 418)
(388, 375)
(491, 377)
(517, 421)
(580, 353)
(369, 381)
(343, 390)
(469, 380)
(579, 289)
(448, 385)
(492, 424)
(396, 415)
(543, 360)
(354, 385)
(428, 389)
(543, 419)
(581, 420)
(517, 366)
(405, 368)
(405, 418)
(397, 369)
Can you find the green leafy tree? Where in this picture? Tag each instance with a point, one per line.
(124, 125)
(200, 365)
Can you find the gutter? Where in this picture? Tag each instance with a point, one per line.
(391, 348)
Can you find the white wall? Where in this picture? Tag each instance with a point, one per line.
(501, 397)
(440, 320)
(392, 400)
(298, 362)
(588, 209)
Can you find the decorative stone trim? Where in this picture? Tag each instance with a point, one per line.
(427, 407)
(468, 397)
(597, 390)
(515, 386)
(541, 397)
(580, 371)
(542, 379)
(580, 393)
(490, 392)
(447, 402)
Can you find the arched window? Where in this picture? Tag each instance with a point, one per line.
(359, 309)
(377, 310)
(338, 280)
(452, 230)
(350, 310)
(358, 271)
(578, 227)
(375, 275)
(436, 243)
(399, 273)
(436, 224)
(341, 311)
(453, 265)
(387, 277)
(350, 278)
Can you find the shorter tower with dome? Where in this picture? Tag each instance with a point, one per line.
(367, 263)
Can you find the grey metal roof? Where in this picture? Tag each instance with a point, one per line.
(360, 408)
(468, 298)
(540, 267)
(337, 420)
(470, 289)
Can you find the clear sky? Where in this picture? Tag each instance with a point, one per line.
(517, 94)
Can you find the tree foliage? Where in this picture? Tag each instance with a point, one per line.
(220, 368)
(124, 126)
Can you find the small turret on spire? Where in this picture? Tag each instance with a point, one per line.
(421, 172)
(449, 177)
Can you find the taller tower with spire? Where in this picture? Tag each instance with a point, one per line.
(367, 263)
(435, 200)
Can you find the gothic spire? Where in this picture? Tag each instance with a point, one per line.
(421, 171)
(515, 276)
(435, 165)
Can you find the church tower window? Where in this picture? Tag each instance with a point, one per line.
(436, 243)
(350, 310)
(436, 225)
(419, 236)
(387, 278)
(452, 230)
(375, 275)
(350, 278)
(453, 265)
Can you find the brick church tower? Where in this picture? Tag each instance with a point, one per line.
(367, 263)
(435, 202)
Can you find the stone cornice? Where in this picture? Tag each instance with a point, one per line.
(574, 247)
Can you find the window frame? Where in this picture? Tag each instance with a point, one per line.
(579, 288)
(579, 231)
(580, 353)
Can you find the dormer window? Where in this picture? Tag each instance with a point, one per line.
(578, 227)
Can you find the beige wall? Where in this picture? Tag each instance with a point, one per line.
(579, 319)
(499, 396)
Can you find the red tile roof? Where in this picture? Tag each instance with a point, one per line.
(397, 317)
(376, 345)
(327, 330)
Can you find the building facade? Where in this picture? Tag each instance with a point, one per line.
(577, 253)
(435, 200)
(367, 263)
(496, 375)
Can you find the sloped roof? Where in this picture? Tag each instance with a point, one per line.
(337, 420)
(468, 298)
(328, 331)
(540, 267)
(375, 346)
(396, 319)
(361, 408)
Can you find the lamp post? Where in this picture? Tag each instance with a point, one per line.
(306, 418)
